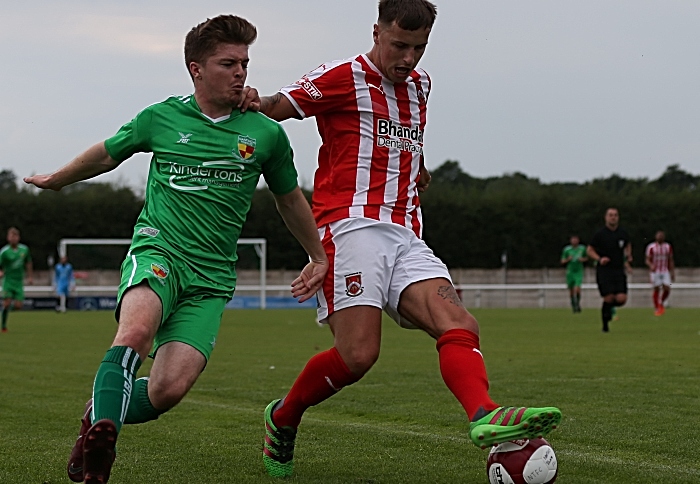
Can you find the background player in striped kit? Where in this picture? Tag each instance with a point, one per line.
(371, 113)
(662, 270)
(180, 270)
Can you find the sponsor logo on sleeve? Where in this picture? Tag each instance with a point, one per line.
(353, 284)
(150, 231)
(310, 88)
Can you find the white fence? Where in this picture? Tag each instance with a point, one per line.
(557, 295)
(683, 294)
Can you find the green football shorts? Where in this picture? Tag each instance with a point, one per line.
(13, 290)
(574, 279)
(192, 305)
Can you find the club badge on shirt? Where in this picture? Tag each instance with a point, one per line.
(246, 147)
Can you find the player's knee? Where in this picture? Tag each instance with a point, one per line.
(165, 394)
(360, 360)
(137, 337)
(462, 321)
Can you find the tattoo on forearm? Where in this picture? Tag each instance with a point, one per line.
(448, 293)
(268, 101)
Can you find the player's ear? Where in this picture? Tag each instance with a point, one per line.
(195, 70)
(375, 33)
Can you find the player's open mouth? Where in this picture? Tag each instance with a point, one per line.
(402, 71)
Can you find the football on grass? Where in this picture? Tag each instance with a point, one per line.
(522, 462)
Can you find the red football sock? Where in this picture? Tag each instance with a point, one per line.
(322, 377)
(656, 297)
(462, 367)
(664, 296)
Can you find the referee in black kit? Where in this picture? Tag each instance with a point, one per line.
(612, 249)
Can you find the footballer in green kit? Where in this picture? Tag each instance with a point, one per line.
(15, 259)
(179, 273)
(573, 257)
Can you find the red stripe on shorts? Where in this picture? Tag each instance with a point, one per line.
(329, 283)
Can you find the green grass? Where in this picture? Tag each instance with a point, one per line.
(630, 398)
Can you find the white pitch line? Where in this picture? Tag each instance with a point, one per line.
(390, 429)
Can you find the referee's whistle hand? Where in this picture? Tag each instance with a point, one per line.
(604, 261)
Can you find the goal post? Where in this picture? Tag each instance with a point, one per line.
(259, 244)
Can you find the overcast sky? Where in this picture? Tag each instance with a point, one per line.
(559, 90)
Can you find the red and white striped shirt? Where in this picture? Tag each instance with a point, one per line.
(372, 141)
(660, 255)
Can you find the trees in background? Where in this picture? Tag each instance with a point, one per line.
(469, 221)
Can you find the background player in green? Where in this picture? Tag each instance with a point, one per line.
(573, 257)
(180, 270)
(15, 259)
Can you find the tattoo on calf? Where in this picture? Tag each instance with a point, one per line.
(448, 293)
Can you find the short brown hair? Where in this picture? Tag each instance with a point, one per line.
(202, 41)
(408, 14)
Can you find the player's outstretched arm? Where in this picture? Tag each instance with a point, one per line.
(278, 107)
(299, 219)
(92, 162)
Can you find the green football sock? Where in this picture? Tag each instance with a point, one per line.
(113, 384)
(5, 313)
(573, 302)
(140, 407)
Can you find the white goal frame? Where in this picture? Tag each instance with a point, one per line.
(259, 244)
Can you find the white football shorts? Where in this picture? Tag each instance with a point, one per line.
(371, 263)
(660, 278)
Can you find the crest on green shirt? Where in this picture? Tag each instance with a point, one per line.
(246, 148)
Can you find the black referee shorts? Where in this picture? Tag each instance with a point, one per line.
(611, 281)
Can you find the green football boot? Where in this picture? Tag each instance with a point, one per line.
(278, 449)
(513, 423)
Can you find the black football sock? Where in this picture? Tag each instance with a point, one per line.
(607, 314)
(5, 313)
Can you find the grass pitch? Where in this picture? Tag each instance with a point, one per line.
(630, 399)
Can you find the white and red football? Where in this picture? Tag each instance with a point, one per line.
(522, 462)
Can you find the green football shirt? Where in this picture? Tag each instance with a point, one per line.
(574, 265)
(13, 263)
(201, 179)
